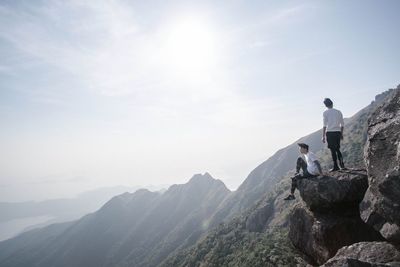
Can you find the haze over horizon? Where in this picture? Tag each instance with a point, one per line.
(105, 93)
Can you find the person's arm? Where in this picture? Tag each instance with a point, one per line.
(319, 167)
(341, 125)
(341, 132)
(324, 128)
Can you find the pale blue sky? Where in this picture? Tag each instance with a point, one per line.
(98, 93)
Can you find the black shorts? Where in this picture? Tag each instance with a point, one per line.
(333, 139)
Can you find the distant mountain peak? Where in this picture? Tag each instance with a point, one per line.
(206, 177)
(206, 174)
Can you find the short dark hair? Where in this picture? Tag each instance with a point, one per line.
(328, 102)
(303, 145)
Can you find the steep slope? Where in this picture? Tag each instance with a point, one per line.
(255, 237)
(257, 234)
(138, 229)
(27, 244)
(268, 173)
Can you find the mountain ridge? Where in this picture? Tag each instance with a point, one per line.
(141, 228)
(196, 220)
(242, 239)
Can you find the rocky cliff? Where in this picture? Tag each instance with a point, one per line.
(381, 204)
(329, 217)
(352, 218)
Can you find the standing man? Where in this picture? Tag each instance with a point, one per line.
(333, 133)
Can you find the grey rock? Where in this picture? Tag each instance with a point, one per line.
(346, 262)
(366, 254)
(341, 191)
(320, 235)
(381, 204)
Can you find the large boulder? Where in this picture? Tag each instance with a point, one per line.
(320, 235)
(381, 204)
(342, 191)
(366, 254)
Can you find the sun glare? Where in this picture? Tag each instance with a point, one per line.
(190, 45)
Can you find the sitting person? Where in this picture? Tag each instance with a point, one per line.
(310, 167)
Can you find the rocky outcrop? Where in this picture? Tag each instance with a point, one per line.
(381, 205)
(329, 219)
(345, 190)
(342, 211)
(320, 235)
(366, 254)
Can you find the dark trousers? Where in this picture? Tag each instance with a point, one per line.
(333, 139)
(300, 164)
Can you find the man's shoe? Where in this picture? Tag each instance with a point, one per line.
(342, 167)
(289, 197)
(336, 168)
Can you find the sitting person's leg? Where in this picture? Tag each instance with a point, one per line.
(294, 184)
(293, 187)
(301, 164)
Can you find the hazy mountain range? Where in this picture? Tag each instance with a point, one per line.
(200, 223)
(139, 229)
(17, 217)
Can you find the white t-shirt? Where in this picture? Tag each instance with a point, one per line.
(333, 120)
(311, 166)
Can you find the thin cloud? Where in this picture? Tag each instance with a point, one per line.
(276, 18)
(100, 44)
(6, 70)
(60, 179)
(97, 43)
(288, 13)
(257, 44)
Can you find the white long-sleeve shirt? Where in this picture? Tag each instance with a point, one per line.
(333, 120)
(312, 167)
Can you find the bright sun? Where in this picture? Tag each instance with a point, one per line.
(190, 45)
